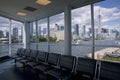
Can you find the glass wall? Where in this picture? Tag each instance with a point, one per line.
(4, 36)
(81, 37)
(15, 31)
(57, 33)
(33, 37)
(16, 36)
(107, 30)
(42, 35)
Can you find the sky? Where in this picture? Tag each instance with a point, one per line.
(109, 11)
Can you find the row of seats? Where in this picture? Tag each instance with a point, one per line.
(65, 67)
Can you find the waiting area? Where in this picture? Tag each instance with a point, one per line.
(29, 64)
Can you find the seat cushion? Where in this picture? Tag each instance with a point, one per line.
(58, 73)
(42, 67)
(19, 58)
(24, 61)
(32, 64)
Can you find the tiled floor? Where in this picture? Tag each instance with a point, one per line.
(8, 71)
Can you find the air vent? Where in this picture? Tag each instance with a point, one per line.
(28, 8)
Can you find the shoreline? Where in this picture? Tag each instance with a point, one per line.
(99, 54)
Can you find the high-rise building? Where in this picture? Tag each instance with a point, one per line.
(99, 23)
(7, 34)
(56, 27)
(31, 28)
(62, 28)
(39, 30)
(103, 30)
(15, 32)
(44, 31)
(76, 29)
(84, 30)
(1, 33)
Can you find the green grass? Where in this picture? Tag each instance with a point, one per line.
(111, 58)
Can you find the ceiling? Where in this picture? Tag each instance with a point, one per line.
(9, 8)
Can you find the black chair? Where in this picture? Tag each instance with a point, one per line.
(51, 63)
(65, 70)
(85, 69)
(26, 58)
(33, 55)
(21, 55)
(109, 71)
(41, 58)
(17, 54)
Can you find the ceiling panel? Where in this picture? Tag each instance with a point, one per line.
(9, 8)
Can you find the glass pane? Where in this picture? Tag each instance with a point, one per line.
(33, 35)
(42, 35)
(16, 36)
(107, 30)
(81, 37)
(4, 36)
(57, 33)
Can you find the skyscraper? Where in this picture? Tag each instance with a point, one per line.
(7, 34)
(84, 30)
(99, 23)
(44, 31)
(1, 33)
(62, 28)
(76, 29)
(31, 28)
(15, 32)
(56, 27)
(39, 30)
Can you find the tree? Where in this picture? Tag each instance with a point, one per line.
(1, 36)
(42, 39)
(53, 39)
(14, 39)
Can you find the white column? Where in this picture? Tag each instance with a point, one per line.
(36, 22)
(93, 33)
(67, 33)
(10, 25)
(48, 37)
(26, 35)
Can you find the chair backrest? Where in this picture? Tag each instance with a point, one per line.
(27, 53)
(67, 62)
(53, 58)
(42, 56)
(86, 66)
(22, 52)
(18, 51)
(109, 70)
(33, 54)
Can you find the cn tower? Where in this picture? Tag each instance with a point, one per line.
(99, 22)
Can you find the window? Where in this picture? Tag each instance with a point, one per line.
(42, 35)
(81, 37)
(57, 33)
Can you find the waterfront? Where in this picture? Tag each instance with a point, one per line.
(82, 49)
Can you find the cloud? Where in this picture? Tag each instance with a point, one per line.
(107, 14)
(82, 16)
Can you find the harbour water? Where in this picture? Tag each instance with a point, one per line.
(81, 49)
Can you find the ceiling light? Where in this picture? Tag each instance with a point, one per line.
(21, 14)
(43, 2)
